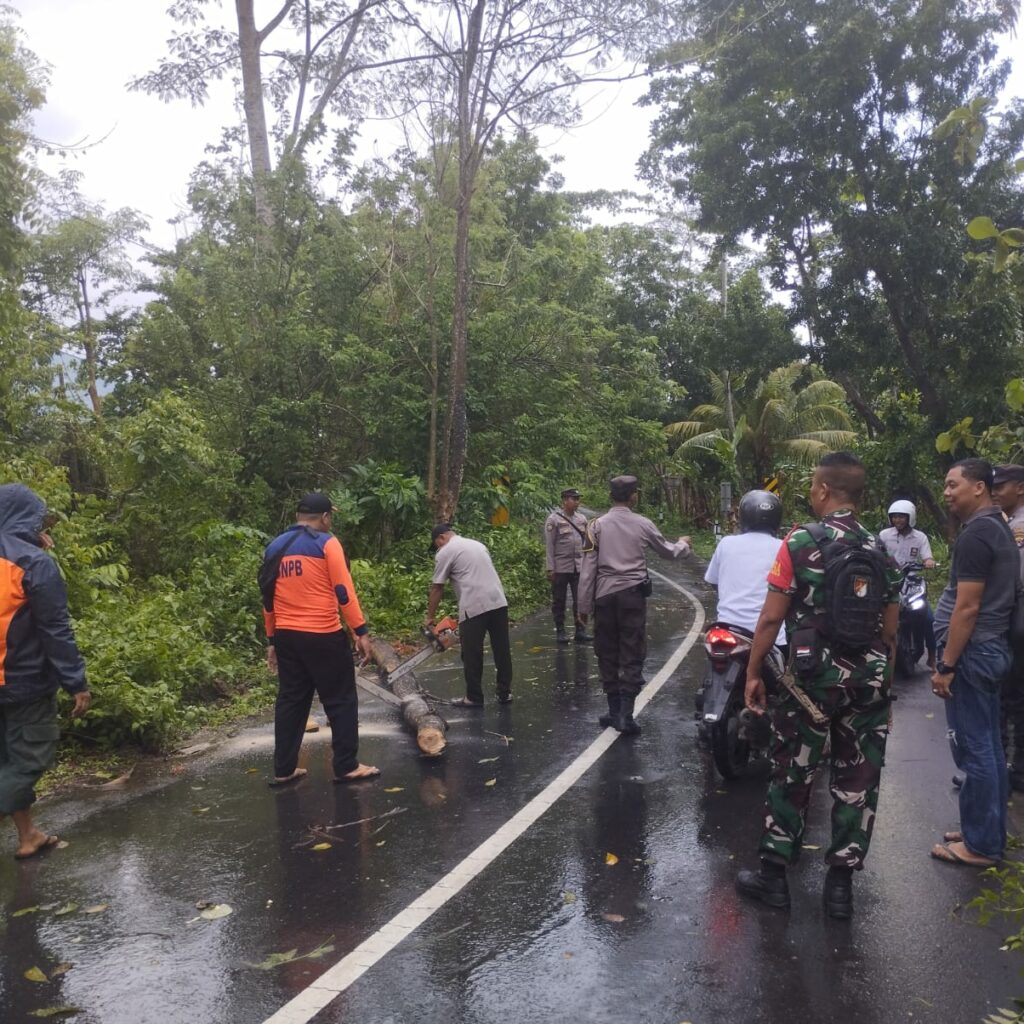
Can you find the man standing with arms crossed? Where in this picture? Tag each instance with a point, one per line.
(309, 650)
(564, 532)
(846, 695)
(972, 624)
(1008, 493)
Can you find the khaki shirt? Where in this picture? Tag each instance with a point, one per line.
(614, 558)
(564, 542)
(467, 563)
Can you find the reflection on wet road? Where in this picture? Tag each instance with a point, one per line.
(615, 903)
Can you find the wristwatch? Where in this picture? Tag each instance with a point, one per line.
(943, 669)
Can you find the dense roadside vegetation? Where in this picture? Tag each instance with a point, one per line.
(325, 324)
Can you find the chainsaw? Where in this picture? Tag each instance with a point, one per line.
(440, 638)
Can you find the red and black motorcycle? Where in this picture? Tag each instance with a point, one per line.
(731, 732)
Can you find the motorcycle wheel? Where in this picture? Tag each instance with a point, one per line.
(906, 663)
(729, 752)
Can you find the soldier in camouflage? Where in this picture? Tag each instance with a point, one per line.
(850, 690)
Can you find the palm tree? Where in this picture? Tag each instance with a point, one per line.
(783, 420)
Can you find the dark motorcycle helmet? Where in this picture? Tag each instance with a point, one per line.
(760, 512)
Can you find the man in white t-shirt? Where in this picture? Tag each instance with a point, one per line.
(483, 610)
(740, 565)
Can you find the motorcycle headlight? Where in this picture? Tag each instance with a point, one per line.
(917, 604)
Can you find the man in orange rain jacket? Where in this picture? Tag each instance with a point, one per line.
(38, 654)
(309, 650)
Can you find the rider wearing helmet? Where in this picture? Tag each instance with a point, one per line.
(906, 544)
(740, 565)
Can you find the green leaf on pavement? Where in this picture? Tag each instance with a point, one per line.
(216, 911)
(96, 908)
(56, 1011)
(68, 908)
(59, 970)
(26, 910)
(36, 975)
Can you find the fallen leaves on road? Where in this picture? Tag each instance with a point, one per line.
(26, 910)
(610, 858)
(277, 959)
(490, 782)
(211, 911)
(96, 908)
(568, 897)
(394, 789)
(322, 846)
(56, 1011)
(36, 975)
(486, 760)
(59, 970)
(614, 918)
(68, 908)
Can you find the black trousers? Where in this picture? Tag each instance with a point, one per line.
(309, 663)
(620, 640)
(1011, 707)
(562, 582)
(472, 631)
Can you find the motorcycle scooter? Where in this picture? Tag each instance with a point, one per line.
(729, 729)
(913, 615)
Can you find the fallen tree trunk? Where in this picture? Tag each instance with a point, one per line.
(429, 726)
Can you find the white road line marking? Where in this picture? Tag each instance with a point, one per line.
(353, 965)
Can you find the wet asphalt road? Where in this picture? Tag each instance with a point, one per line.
(549, 931)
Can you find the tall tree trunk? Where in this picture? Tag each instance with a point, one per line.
(453, 459)
(89, 345)
(249, 40)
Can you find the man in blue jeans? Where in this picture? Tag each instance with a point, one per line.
(972, 623)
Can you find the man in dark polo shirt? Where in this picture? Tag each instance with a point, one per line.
(972, 624)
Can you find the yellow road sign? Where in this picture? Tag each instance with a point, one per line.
(772, 484)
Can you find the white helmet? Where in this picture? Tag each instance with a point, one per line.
(904, 508)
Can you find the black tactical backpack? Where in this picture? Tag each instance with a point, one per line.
(855, 585)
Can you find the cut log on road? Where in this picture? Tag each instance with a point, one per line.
(429, 726)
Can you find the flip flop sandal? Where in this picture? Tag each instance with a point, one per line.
(299, 773)
(361, 774)
(949, 856)
(465, 702)
(46, 845)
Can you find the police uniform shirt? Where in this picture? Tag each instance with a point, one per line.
(467, 563)
(563, 541)
(912, 546)
(619, 539)
(1016, 524)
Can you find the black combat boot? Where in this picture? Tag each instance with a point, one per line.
(624, 719)
(768, 884)
(582, 636)
(560, 634)
(838, 892)
(613, 710)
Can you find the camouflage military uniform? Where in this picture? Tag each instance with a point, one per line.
(852, 690)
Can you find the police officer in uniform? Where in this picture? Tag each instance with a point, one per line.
(614, 585)
(563, 540)
(1008, 494)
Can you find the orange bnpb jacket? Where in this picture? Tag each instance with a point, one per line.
(313, 582)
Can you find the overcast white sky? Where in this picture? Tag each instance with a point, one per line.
(150, 147)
